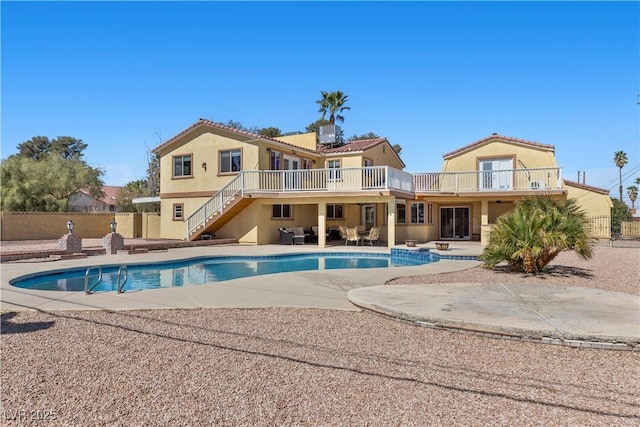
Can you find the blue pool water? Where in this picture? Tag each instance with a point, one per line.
(199, 271)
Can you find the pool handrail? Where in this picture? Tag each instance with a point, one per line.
(88, 290)
(126, 276)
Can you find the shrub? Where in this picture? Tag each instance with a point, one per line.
(535, 232)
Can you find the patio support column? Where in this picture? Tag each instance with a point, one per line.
(484, 222)
(391, 222)
(322, 225)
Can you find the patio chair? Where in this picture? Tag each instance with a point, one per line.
(290, 238)
(343, 232)
(352, 235)
(373, 236)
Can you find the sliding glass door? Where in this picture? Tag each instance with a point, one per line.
(455, 223)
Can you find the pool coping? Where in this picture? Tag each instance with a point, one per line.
(309, 289)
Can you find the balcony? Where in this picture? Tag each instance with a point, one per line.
(327, 180)
(537, 179)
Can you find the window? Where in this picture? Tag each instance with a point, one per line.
(334, 174)
(182, 165)
(230, 161)
(282, 211)
(401, 213)
(178, 211)
(307, 164)
(417, 213)
(334, 212)
(275, 160)
(430, 213)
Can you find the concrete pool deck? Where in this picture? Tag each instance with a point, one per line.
(572, 316)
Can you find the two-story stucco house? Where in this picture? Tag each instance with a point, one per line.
(237, 184)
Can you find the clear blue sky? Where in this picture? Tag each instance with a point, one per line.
(429, 76)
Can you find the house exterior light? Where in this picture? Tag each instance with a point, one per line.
(70, 226)
(113, 225)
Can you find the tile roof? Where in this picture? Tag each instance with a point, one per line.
(211, 124)
(360, 145)
(110, 194)
(502, 137)
(585, 186)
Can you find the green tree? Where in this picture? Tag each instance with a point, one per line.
(333, 103)
(535, 232)
(397, 148)
(39, 147)
(619, 213)
(130, 190)
(153, 174)
(633, 195)
(368, 135)
(315, 126)
(45, 184)
(270, 132)
(620, 159)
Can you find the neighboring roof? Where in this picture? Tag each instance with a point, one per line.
(110, 194)
(501, 137)
(214, 125)
(355, 146)
(585, 187)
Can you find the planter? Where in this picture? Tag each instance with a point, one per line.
(410, 243)
(442, 246)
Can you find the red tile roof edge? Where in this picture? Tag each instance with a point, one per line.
(497, 136)
(205, 122)
(585, 186)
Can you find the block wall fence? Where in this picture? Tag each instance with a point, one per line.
(53, 225)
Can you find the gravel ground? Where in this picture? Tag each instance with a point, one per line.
(311, 367)
(611, 269)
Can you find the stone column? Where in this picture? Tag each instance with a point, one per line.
(113, 242)
(70, 243)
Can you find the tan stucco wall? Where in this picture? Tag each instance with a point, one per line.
(150, 227)
(531, 157)
(204, 148)
(593, 203)
(304, 140)
(53, 225)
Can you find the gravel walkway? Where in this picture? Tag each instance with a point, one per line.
(311, 367)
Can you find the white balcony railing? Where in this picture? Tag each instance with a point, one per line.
(500, 180)
(343, 179)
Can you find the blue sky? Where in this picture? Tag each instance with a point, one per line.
(429, 76)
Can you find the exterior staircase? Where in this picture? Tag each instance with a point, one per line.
(218, 210)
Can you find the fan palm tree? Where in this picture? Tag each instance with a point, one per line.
(633, 195)
(535, 232)
(333, 103)
(620, 159)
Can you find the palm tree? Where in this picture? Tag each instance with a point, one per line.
(333, 102)
(633, 195)
(535, 232)
(620, 159)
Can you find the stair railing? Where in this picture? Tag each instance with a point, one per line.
(216, 204)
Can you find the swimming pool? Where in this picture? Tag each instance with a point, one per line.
(198, 271)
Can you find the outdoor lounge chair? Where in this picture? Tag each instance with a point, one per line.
(352, 235)
(373, 236)
(290, 237)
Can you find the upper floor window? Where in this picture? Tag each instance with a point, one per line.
(334, 164)
(230, 161)
(275, 160)
(182, 165)
(307, 164)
